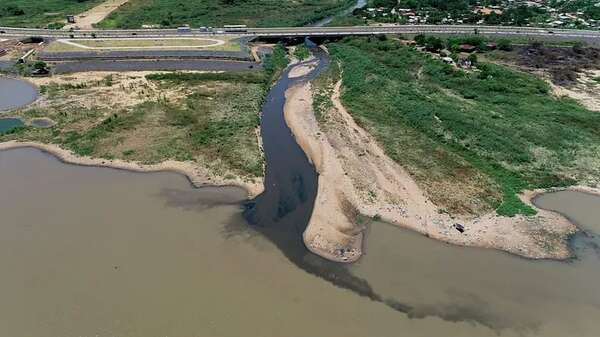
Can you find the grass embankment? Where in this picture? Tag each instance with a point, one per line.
(41, 14)
(467, 135)
(216, 13)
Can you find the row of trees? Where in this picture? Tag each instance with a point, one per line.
(435, 44)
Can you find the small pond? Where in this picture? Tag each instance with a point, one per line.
(7, 124)
(16, 93)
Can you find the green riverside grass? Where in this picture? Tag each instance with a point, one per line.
(445, 123)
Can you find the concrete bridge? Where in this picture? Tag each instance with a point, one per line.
(589, 36)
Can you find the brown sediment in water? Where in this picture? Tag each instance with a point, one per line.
(356, 175)
(197, 175)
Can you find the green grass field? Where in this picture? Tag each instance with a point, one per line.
(496, 128)
(40, 13)
(216, 13)
(231, 44)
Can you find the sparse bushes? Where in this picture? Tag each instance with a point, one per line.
(220, 122)
(302, 52)
(40, 65)
(473, 59)
(276, 62)
(504, 45)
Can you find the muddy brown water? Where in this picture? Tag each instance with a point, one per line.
(100, 252)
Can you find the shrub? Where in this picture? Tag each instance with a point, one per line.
(504, 44)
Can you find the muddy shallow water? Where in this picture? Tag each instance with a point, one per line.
(99, 252)
(15, 93)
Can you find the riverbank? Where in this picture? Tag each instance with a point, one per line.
(199, 176)
(201, 124)
(357, 177)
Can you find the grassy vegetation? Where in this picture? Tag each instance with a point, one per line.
(302, 52)
(275, 63)
(41, 14)
(216, 13)
(467, 135)
(207, 118)
(323, 87)
(221, 126)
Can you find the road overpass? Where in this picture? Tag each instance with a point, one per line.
(589, 36)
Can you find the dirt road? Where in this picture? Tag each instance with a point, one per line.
(86, 20)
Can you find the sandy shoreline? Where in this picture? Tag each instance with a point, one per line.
(197, 175)
(357, 177)
(330, 232)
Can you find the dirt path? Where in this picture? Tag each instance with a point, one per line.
(356, 177)
(86, 20)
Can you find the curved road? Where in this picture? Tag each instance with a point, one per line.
(497, 31)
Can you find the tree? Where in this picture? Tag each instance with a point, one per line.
(473, 59)
(40, 65)
(504, 44)
(420, 39)
(434, 43)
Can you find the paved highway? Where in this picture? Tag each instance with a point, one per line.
(498, 31)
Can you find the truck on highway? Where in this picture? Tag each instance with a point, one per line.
(235, 28)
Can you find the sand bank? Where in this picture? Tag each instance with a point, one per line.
(331, 231)
(301, 70)
(197, 175)
(357, 177)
